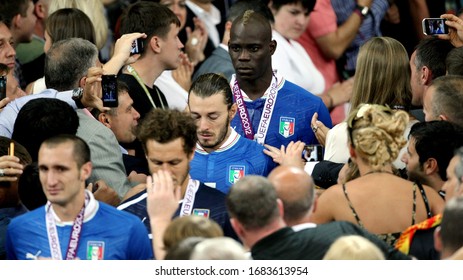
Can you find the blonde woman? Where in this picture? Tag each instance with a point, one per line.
(378, 200)
(382, 77)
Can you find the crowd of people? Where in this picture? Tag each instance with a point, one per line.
(203, 155)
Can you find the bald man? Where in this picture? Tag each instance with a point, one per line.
(260, 220)
(296, 190)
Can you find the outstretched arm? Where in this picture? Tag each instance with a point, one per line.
(290, 155)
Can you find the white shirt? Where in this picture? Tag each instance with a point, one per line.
(292, 61)
(176, 96)
(210, 19)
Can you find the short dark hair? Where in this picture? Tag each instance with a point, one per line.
(306, 4)
(448, 97)
(210, 84)
(150, 18)
(42, 118)
(438, 140)
(9, 9)
(432, 52)
(68, 23)
(30, 188)
(253, 202)
(81, 151)
(166, 125)
(67, 62)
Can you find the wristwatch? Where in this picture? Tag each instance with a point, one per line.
(77, 94)
(364, 10)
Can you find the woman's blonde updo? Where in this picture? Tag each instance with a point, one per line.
(376, 132)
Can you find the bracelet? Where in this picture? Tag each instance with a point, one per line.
(357, 11)
(331, 101)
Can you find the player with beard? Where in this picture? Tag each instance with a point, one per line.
(222, 156)
(169, 138)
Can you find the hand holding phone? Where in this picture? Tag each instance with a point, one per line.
(434, 26)
(137, 46)
(109, 88)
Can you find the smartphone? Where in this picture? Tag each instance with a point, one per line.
(109, 88)
(434, 26)
(2, 87)
(137, 46)
(313, 152)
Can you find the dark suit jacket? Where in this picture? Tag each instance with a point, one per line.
(105, 153)
(312, 243)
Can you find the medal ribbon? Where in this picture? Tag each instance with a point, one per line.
(74, 239)
(189, 198)
(266, 113)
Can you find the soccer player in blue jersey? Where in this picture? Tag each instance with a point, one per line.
(222, 156)
(73, 225)
(169, 139)
(270, 110)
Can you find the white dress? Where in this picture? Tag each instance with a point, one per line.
(292, 61)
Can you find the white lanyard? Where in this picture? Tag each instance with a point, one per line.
(74, 239)
(142, 84)
(267, 112)
(189, 198)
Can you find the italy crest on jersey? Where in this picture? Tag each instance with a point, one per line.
(201, 212)
(287, 126)
(95, 250)
(235, 172)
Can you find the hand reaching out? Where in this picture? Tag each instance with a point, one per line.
(196, 42)
(319, 129)
(290, 155)
(182, 75)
